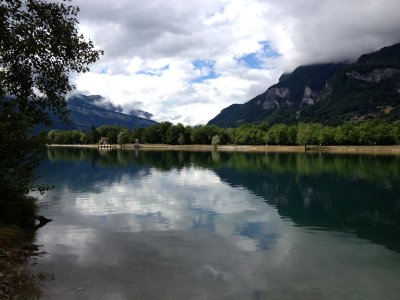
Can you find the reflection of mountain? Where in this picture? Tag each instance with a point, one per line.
(328, 201)
(344, 193)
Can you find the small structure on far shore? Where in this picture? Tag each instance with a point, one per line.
(103, 143)
(137, 145)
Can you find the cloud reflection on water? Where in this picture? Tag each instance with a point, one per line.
(188, 199)
(186, 234)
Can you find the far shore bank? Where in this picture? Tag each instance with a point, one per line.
(376, 150)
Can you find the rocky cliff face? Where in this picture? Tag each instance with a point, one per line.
(310, 96)
(293, 91)
(375, 75)
(276, 98)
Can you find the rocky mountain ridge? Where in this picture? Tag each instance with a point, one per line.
(87, 111)
(326, 93)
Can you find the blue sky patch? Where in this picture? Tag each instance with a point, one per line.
(154, 72)
(252, 60)
(268, 51)
(200, 64)
(255, 60)
(104, 71)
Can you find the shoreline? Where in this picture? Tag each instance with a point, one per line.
(376, 150)
(17, 252)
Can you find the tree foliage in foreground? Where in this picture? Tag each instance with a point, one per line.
(39, 48)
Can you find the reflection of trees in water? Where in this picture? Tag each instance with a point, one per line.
(341, 192)
(368, 167)
(329, 201)
(82, 168)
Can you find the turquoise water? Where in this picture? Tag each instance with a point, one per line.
(184, 225)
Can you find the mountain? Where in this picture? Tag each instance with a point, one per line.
(88, 111)
(326, 93)
(369, 88)
(99, 101)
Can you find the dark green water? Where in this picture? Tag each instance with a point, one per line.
(181, 225)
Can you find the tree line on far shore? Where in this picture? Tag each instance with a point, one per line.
(370, 132)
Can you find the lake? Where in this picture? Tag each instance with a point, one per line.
(202, 225)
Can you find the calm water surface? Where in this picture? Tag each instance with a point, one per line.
(180, 225)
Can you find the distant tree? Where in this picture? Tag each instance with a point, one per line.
(233, 134)
(249, 135)
(216, 141)
(149, 135)
(91, 136)
(123, 137)
(187, 135)
(137, 133)
(305, 135)
(162, 131)
(59, 137)
(345, 134)
(77, 137)
(112, 136)
(326, 135)
(181, 139)
(383, 134)
(278, 134)
(174, 132)
(203, 135)
(292, 135)
(395, 132)
(51, 135)
(156, 134)
(366, 133)
(224, 137)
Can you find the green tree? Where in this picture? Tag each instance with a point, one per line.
(203, 135)
(305, 135)
(292, 134)
(39, 47)
(77, 137)
(91, 136)
(137, 133)
(233, 134)
(51, 135)
(123, 137)
(395, 132)
(326, 135)
(216, 141)
(366, 133)
(278, 134)
(112, 136)
(346, 134)
(248, 135)
(162, 131)
(174, 132)
(383, 134)
(59, 137)
(156, 134)
(181, 139)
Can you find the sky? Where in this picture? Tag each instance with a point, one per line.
(186, 60)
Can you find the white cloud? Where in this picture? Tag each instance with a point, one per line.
(141, 38)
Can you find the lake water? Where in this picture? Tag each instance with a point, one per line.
(184, 225)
